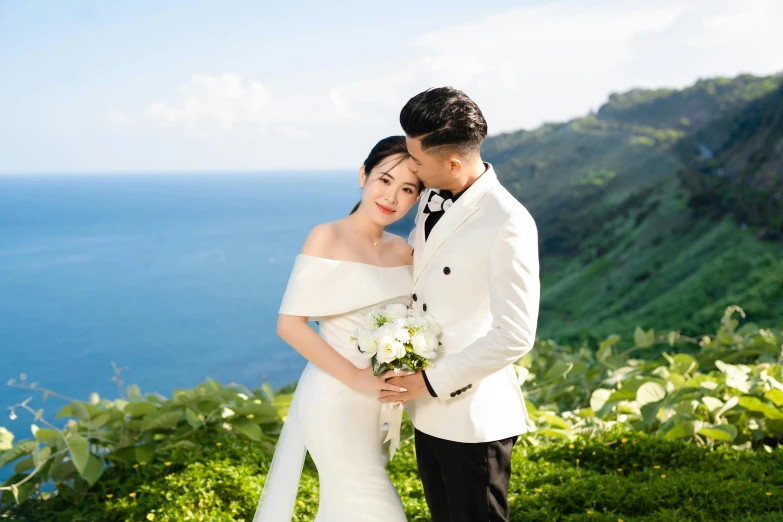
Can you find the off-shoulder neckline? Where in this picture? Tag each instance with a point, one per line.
(352, 262)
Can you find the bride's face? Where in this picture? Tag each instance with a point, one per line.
(389, 190)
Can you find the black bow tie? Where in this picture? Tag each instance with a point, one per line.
(439, 202)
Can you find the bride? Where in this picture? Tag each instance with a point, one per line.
(345, 269)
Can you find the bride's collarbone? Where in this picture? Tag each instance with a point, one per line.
(386, 254)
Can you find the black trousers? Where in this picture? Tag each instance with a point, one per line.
(465, 482)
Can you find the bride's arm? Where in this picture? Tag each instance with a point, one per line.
(295, 331)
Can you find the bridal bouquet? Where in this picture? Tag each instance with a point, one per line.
(398, 338)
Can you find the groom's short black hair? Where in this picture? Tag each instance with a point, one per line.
(444, 117)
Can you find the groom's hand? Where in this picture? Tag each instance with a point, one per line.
(414, 383)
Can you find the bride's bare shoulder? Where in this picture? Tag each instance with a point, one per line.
(320, 240)
(402, 249)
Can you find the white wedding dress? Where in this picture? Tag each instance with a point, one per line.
(336, 424)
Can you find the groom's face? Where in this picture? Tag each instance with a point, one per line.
(432, 169)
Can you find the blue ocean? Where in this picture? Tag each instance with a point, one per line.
(175, 278)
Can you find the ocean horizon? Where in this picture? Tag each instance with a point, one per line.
(175, 277)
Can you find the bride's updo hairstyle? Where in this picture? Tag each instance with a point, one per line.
(386, 148)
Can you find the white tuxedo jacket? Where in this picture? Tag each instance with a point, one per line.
(477, 275)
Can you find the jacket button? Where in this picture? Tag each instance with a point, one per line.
(470, 386)
(447, 270)
(415, 298)
(453, 394)
(459, 392)
(424, 307)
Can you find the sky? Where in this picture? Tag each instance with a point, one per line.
(179, 86)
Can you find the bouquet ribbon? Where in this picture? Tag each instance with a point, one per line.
(391, 414)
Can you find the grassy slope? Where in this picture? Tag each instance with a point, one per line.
(619, 245)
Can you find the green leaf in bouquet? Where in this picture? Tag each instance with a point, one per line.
(721, 432)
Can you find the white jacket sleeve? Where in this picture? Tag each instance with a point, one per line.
(514, 300)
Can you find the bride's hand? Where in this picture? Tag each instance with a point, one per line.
(365, 380)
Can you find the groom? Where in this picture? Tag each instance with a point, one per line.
(475, 264)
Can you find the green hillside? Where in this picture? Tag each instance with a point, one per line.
(628, 236)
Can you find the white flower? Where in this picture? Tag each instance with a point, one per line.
(367, 343)
(389, 349)
(372, 319)
(424, 344)
(369, 321)
(417, 322)
(400, 331)
(396, 311)
(432, 325)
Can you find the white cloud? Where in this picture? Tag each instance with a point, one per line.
(118, 118)
(556, 61)
(225, 99)
(548, 62)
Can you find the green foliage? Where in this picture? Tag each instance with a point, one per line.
(102, 435)
(724, 389)
(659, 243)
(693, 106)
(611, 425)
(609, 476)
(735, 164)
